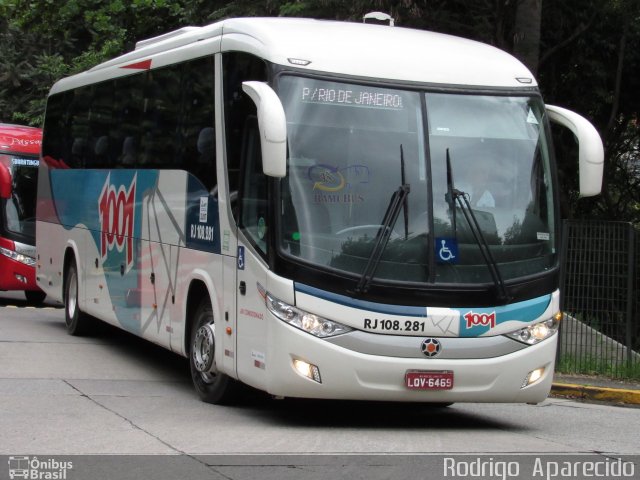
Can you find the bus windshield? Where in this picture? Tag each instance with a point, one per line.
(19, 209)
(352, 146)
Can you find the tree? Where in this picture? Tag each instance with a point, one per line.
(590, 53)
(585, 53)
(526, 39)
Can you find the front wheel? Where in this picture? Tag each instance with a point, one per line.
(78, 323)
(211, 385)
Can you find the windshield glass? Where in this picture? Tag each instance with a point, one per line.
(499, 162)
(19, 211)
(347, 143)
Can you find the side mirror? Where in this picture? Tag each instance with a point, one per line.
(590, 149)
(273, 127)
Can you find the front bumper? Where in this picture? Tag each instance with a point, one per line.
(352, 375)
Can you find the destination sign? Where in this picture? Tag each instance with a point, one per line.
(359, 97)
(25, 162)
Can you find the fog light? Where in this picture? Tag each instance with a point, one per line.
(533, 377)
(307, 370)
(20, 278)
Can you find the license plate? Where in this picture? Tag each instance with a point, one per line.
(429, 380)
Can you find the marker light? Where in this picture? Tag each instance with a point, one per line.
(299, 62)
(310, 323)
(307, 370)
(537, 332)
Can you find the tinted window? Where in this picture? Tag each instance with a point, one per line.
(238, 107)
(160, 119)
(20, 208)
(244, 161)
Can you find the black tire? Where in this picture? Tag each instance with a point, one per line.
(35, 296)
(78, 323)
(439, 404)
(212, 386)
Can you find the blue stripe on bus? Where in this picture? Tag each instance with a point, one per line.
(525, 311)
(118, 198)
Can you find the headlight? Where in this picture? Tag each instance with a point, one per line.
(310, 323)
(18, 257)
(537, 332)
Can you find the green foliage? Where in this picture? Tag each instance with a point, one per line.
(590, 56)
(598, 365)
(589, 59)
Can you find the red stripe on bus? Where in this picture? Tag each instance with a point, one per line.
(144, 65)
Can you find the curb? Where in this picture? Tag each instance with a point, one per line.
(602, 394)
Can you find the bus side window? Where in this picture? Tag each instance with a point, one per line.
(253, 194)
(238, 67)
(159, 120)
(100, 118)
(198, 150)
(101, 153)
(78, 109)
(205, 164)
(128, 157)
(55, 142)
(127, 117)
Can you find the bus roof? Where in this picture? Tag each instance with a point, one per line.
(383, 52)
(377, 52)
(20, 139)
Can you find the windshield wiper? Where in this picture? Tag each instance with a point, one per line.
(397, 202)
(449, 197)
(405, 203)
(462, 199)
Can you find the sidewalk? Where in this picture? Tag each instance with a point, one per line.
(591, 388)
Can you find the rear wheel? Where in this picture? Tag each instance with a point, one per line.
(78, 323)
(211, 385)
(35, 296)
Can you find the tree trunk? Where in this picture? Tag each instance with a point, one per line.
(526, 41)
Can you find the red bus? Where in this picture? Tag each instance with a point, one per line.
(19, 160)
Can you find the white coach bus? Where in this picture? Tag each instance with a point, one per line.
(315, 209)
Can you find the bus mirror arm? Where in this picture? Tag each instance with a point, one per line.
(591, 151)
(273, 127)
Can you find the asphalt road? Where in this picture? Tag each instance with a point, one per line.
(115, 395)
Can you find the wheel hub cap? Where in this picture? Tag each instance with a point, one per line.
(204, 348)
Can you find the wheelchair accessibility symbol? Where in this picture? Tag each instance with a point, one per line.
(447, 250)
(240, 258)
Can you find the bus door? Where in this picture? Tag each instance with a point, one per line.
(251, 263)
(227, 357)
